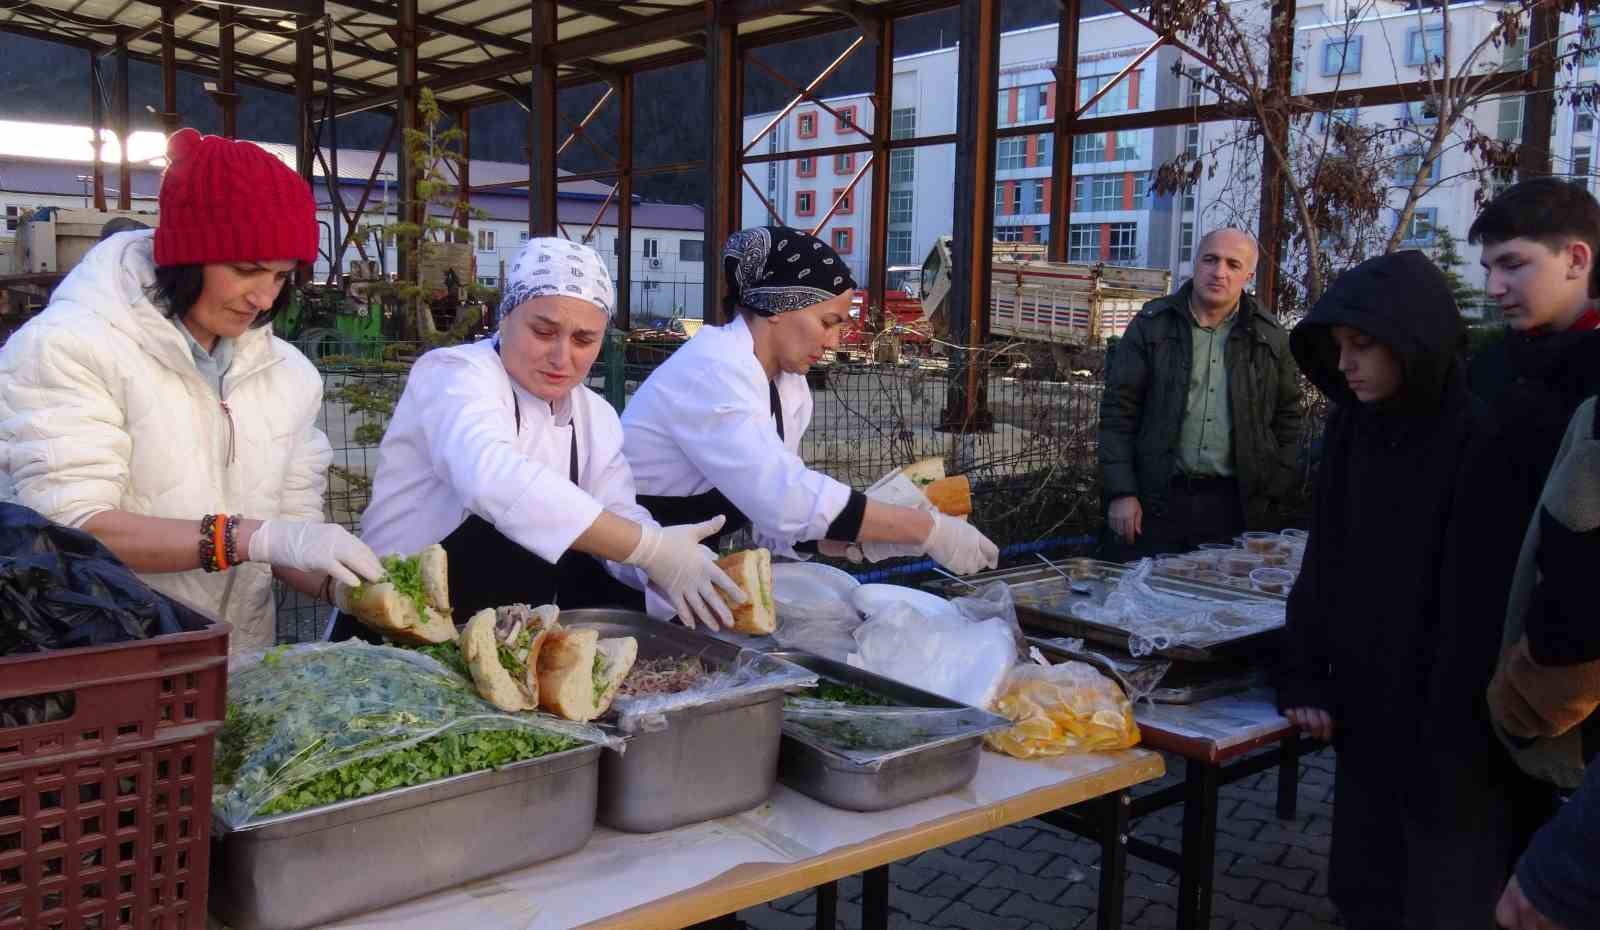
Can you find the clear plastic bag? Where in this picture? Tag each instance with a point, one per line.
(1161, 619)
(318, 723)
(815, 616)
(751, 673)
(1138, 677)
(872, 736)
(1059, 709)
(957, 656)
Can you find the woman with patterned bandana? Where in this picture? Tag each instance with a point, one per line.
(715, 431)
(498, 452)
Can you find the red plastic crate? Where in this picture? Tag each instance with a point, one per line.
(105, 816)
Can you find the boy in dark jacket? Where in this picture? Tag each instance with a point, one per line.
(1416, 844)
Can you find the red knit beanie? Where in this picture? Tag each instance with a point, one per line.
(227, 201)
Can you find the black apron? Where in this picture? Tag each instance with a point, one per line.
(697, 508)
(488, 569)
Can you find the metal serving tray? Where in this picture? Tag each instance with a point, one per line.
(310, 867)
(933, 768)
(1043, 598)
(711, 760)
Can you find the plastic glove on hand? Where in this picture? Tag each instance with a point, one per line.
(315, 547)
(959, 546)
(687, 572)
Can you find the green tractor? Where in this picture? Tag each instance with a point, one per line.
(324, 321)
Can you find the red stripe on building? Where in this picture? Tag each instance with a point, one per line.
(1011, 105)
(1127, 187)
(1133, 91)
(1105, 242)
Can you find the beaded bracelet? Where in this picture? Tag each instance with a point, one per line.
(207, 547)
(219, 530)
(230, 542)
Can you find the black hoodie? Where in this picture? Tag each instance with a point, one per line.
(1419, 837)
(1367, 604)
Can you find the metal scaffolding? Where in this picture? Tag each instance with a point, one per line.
(380, 55)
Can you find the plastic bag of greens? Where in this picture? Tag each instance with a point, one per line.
(318, 723)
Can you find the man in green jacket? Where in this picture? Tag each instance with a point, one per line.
(1200, 418)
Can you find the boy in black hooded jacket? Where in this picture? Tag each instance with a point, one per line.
(1416, 844)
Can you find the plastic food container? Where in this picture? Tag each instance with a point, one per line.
(1271, 580)
(1209, 577)
(1275, 559)
(1261, 542)
(1239, 564)
(1204, 558)
(1178, 568)
(1301, 535)
(1216, 547)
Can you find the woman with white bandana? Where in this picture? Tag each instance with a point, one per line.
(715, 431)
(498, 452)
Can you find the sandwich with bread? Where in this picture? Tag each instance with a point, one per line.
(751, 570)
(501, 646)
(579, 673)
(410, 604)
(952, 495)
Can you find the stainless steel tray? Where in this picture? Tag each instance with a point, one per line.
(934, 768)
(1043, 600)
(307, 868)
(711, 760)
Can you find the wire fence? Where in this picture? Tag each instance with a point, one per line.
(1035, 474)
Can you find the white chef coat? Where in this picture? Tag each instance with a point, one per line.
(703, 420)
(453, 448)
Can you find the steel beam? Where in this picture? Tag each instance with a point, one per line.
(1275, 140)
(624, 316)
(405, 100)
(304, 77)
(169, 68)
(878, 218)
(124, 172)
(966, 407)
(442, 26)
(1065, 118)
(1538, 106)
(542, 116)
(226, 96)
(331, 170)
(97, 125)
(464, 172)
(352, 236)
(723, 107)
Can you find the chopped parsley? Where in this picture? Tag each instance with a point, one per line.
(602, 666)
(849, 694)
(405, 573)
(447, 654)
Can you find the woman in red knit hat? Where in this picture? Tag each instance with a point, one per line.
(151, 405)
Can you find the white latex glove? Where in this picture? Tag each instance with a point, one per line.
(687, 572)
(958, 546)
(315, 547)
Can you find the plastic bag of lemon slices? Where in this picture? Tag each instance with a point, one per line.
(1057, 709)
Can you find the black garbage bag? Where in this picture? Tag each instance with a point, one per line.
(61, 589)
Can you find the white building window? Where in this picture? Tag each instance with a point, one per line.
(1508, 125)
(902, 166)
(1424, 44)
(1424, 220)
(1128, 145)
(1037, 199)
(1035, 104)
(1046, 149)
(1016, 196)
(1584, 123)
(487, 280)
(1115, 100)
(486, 240)
(1341, 56)
(13, 217)
(900, 206)
(1192, 87)
(1580, 161)
(1410, 165)
(652, 248)
(1002, 110)
(1008, 234)
(1086, 150)
(1000, 198)
(1191, 140)
(1097, 192)
(903, 123)
(1083, 242)
(1124, 243)
(899, 247)
(1186, 242)
(1011, 154)
(691, 250)
(522, 236)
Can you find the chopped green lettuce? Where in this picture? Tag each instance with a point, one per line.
(602, 666)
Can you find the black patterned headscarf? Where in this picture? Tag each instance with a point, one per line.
(774, 269)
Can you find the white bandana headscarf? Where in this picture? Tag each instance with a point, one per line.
(557, 267)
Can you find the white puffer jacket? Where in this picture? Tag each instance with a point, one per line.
(102, 408)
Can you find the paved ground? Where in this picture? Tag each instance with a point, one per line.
(1271, 874)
